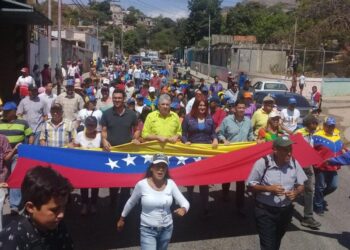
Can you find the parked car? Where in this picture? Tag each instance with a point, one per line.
(270, 85)
(281, 99)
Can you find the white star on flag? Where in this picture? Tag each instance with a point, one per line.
(129, 160)
(181, 160)
(148, 158)
(112, 164)
(197, 159)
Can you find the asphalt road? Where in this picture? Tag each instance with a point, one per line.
(223, 229)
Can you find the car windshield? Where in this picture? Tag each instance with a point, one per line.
(282, 99)
(276, 86)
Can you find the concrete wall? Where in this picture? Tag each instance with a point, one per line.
(335, 87)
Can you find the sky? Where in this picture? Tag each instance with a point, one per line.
(168, 8)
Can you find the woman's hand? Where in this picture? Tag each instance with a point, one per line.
(3, 185)
(188, 143)
(120, 224)
(180, 211)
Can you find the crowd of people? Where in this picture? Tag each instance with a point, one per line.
(119, 103)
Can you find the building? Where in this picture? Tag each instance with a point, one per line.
(17, 20)
(117, 14)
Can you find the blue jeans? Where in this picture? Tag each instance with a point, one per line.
(153, 238)
(326, 182)
(15, 195)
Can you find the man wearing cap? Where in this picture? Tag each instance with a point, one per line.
(310, 124)
(23, 83)
(151, 100)
(34, 110)
(216, 112)
(17, 131)
(70, 102)
(162, 125)
(261, 116)
(139, 103)
(328, 143)
(290, 116)
(236, 128)
(57, 131)
(276, 179)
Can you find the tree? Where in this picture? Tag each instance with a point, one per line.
(164, 40)
(198, 20)
(130, 19)
(268, 24)
(130, 42)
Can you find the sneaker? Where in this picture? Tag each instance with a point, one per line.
(310, 222)
(84, 210)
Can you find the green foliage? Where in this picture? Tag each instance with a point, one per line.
(130, 42)
(267, 24)
(131, 19)
(164, 40)
(198, 20)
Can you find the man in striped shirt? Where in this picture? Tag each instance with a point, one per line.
(17, 131)
(57, 132)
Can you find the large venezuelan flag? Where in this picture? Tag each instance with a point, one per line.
(195, 164)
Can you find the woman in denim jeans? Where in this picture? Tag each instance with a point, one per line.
(199, 127)
(156, 192)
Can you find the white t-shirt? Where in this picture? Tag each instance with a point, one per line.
(25, 81)
(155, 204)
(137, 73)
(302, 80)
(139, 108)
(189, 105)
(84, 113)
(290, 118)
(49, 99)
(129, 91)
(88, 142)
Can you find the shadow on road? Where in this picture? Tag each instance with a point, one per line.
(343, 238)
(98, 232)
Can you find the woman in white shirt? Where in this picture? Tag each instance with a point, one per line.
(90, 110)
(156, 192)
(89, 138)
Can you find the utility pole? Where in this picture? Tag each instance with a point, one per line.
(98, 49)
(295, 34)
(59, 46)
(49, 35)
(209, 68)
(122, 36)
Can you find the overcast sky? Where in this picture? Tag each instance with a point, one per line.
(168, 8)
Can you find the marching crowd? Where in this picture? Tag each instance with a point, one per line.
(120, 103)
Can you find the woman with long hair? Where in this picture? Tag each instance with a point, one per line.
(156, 192)
(199, 127)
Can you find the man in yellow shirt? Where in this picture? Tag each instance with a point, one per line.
(162, 125)
(261, 116)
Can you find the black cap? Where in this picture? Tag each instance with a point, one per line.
(91, 121)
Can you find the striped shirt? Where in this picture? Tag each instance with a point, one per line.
(58, 135)
(16, 131)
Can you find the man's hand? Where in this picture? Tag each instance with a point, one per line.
(136, 142)
(172, 139)
(180, 211)
(188, 143)
(291, 195)
(277, 190)
(106, 145)
(120, 224)
(161, 139)
(214, 144)
(226, 142)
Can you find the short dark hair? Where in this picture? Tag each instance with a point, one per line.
(41, 184)
(240, 101)
(310, 119)
(119, 91)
